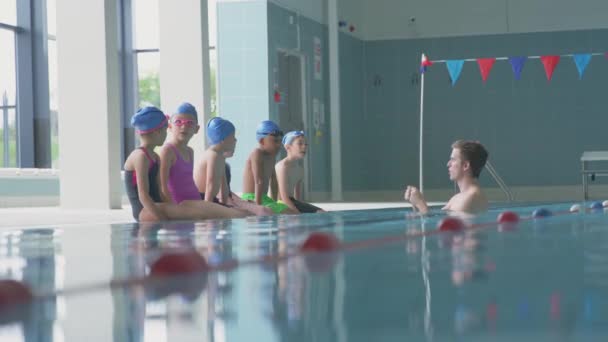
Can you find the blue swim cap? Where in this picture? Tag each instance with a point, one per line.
(267, 127)
(219, 129)
(187, 108)
(290, 136)
(148, 119)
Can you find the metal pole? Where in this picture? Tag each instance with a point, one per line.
(425, 268)
(421, 156)
(334, 103)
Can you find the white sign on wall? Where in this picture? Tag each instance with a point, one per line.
(316, 115)
(322, 114)
(318, 58)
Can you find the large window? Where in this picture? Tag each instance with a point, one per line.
(141, 57)
(22, 147)
(148, 64)
(52, 64)
(8, 85)
(8, 12)
(25, 97)
(146, 47)
(146, 41)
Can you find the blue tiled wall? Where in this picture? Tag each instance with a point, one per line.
(535, 130)
(243, 74)
(282, 35)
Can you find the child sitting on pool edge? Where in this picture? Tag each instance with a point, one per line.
(177, 161)
(211, 173)
(290, 174)
(259, 172)
(142, 181)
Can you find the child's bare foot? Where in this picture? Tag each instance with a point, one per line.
(257, 210)
(262, 211)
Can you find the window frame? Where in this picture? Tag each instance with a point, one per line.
(5, 107)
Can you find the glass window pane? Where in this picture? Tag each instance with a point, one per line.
(146, 23)
(2, 162)
(52, 48)
(13, 148)
(51, 19)
(212, 15)
(8, 12)
(8, 138)
(213, 77)
(52, 55)
(148, 65)
(7, 67)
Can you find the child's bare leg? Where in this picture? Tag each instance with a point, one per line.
(191, 210)
(252, 208)
(208, 210)
(147, 216)
(289, 211)
(176, 212)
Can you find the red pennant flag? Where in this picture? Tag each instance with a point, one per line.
(424, 63)
(485, 65)
(550, 62)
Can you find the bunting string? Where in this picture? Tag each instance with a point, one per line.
(549, 63)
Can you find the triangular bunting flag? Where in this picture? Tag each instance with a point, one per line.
(549, 62)
(581, 61)
(485, 65)
(454, 68)
(517, 64)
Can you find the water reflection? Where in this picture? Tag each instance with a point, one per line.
(33, 257)
(540, 282)
(178, 307)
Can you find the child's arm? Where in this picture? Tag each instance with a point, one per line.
(197, 174)
(210, 189)
(167, 159)
(256, 169)
(274, 185)
(297, 191)
(224, 190)
(282, 181)
(143, 187)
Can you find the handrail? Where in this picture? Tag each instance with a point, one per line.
(503, 186)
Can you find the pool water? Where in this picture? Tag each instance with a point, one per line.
(399, 280)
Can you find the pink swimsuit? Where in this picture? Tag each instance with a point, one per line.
(181, 181)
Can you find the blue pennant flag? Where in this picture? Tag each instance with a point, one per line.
(517, 64)
(581, 61)
(454, 68)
